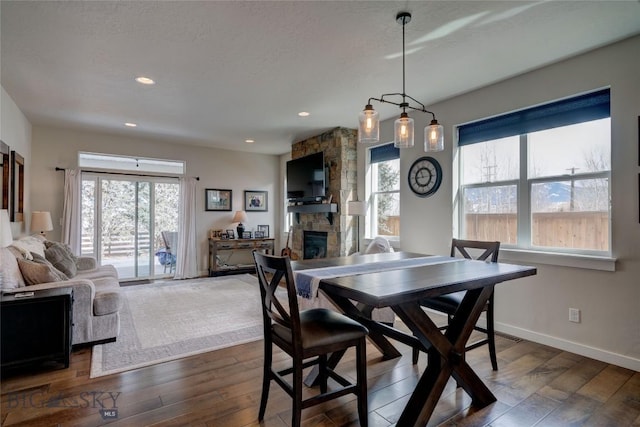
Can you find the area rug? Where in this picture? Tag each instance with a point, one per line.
(169, 320)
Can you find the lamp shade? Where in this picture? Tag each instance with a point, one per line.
(356, 208)
(368, 125)
(41, 221)
(434, 137)
(239, 216)
(403, 134)
(5, 229)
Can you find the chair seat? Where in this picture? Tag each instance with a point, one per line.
(322, 327)
(447, 303)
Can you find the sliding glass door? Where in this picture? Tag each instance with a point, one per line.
(122, 221)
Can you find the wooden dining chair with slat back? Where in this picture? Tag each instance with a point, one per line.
(307, 336)
(449, 303)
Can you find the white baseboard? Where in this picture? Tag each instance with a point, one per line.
(573, 347)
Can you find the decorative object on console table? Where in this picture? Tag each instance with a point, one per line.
(246, 235)
(239, 217)
(36, 328)
(264, 229)
(41, 222)
(217, 200)
(255, 201)
(230, 234)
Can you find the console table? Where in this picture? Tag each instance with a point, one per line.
(219, 248)
(36, 327)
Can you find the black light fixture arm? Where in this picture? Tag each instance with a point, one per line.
(403, 104)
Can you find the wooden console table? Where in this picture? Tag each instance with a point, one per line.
(219, 246)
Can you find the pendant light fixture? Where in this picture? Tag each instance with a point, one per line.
(369, 119)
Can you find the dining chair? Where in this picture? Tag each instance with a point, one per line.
(308, 337)
(170, 239)
(449, 303)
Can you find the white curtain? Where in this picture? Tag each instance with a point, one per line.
(186, 262)
(71, 221)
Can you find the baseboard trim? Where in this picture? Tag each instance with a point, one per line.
(573, 347)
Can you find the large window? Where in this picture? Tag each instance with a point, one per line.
(383, 192)
(539, 179)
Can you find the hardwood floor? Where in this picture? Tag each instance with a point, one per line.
(535, 385)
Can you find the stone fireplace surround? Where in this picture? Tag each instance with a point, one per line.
(340, 154)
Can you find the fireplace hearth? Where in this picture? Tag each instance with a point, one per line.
(314, 244)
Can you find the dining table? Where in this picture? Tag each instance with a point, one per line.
(358, 284)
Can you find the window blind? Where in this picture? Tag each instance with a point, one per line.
(578, 109)
(383, 153)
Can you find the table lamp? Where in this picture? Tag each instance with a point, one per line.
(5, 229)
(41, 221)
(240, 217)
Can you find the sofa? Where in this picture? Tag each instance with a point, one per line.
(33, 263)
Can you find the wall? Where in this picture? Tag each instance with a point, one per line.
(536, 308)
(15, 131)
(238, 171)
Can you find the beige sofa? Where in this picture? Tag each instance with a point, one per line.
(27, 265)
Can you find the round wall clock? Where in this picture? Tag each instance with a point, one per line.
(425, 176)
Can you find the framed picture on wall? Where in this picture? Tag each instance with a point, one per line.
(217, 200)
(255, 201)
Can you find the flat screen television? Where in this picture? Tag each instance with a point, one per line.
(306, 178)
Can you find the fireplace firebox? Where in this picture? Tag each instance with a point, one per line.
(314, 244)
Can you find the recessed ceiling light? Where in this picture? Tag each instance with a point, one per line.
(304, 114)
(145, 80)
(249, 141)
(131, 125)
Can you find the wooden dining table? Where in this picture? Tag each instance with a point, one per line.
(401, 289)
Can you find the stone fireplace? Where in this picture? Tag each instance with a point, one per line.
(340, 154)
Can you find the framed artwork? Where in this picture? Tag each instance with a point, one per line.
(217, 200)
(246, 234)
(231, 234)
(17, 187)
(255, 201)
(258, 235)
(264, 229)
(4, 176)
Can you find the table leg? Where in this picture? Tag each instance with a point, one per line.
(446, 356)
(378, 339)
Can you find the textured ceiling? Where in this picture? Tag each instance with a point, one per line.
(229, 71)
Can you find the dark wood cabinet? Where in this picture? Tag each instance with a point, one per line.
(36, 328)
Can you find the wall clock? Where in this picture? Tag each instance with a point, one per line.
(425, 176)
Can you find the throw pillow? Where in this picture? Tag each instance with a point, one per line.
(35, 272)
(61, 258)
(28, 245)
(42, 260)
(10, 276)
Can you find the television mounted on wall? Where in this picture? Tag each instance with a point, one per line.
(306, 178)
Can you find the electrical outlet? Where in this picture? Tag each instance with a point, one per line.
(574, 315)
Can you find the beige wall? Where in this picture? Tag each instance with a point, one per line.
(15, 131)
(238, 171)
(537, 308)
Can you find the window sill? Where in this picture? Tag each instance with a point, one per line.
(564, 260)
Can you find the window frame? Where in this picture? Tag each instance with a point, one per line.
(371, 219)
(523, 250)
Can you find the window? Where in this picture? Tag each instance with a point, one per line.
(383, 192)
(539, 179)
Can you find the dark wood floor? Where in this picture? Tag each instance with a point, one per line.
(536, 385)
